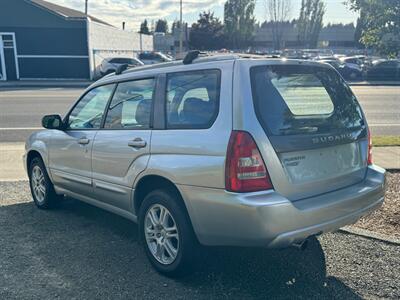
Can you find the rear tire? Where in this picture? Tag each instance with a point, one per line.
(172, 252)
(42, 189)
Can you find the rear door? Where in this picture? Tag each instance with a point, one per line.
(121, 149)
(314, 125)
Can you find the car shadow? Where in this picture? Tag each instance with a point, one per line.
(79, 251)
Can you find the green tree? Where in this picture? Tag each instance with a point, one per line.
(239, 22)
(161, 26)
(177, 24)
(278, 12)
(207, 33)
(144, 28)
(381, 24)
(360, 27)
(310, 22)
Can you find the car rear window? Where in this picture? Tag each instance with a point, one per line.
(304, 94)
(298, 99)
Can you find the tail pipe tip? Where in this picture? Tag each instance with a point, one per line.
(301, 245)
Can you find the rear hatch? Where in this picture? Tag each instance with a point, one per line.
(315, 126)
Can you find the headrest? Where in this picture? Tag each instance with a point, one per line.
(196, 111)
(143, 112)
(194, 104)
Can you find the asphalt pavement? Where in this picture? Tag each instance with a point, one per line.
(381, 105)
(21, 109)
(81, 252)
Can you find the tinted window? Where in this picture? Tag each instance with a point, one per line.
(192, 99)
(303, 94)
(353, 61)
(131, 105)
(149, 56)
(89, 111)
(303, 100)
(123, 61)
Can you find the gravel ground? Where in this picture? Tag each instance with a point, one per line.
(81, 252)
(387, 219)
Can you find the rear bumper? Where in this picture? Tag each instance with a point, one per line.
(269, 219)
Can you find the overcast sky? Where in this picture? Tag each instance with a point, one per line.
(134, 11)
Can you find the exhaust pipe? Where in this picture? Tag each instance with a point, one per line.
(301, 245)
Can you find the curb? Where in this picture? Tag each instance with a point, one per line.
(370, 235)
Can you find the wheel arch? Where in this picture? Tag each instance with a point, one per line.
(31, 155)
(152, 182)
(149, 183)
(37, 149)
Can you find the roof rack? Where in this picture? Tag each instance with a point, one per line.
(191, 56)
(200, 57)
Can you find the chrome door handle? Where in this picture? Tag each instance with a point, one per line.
(83, 141)
(137, 143)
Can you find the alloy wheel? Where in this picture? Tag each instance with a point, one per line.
(38, 184)
(161, 234)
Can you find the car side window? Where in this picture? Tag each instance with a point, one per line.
(192, 99)
(88, 113)
(131, 105)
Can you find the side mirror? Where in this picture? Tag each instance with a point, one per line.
(52, 122)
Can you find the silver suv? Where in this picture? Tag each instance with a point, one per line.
(221, 150)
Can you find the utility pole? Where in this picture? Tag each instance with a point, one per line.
(86, 5)
(181, 30)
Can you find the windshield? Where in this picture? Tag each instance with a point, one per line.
(295, 99)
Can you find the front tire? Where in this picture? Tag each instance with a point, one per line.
(167, 234)
(42, 189)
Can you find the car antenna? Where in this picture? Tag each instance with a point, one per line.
(121, 68)
(191, 56)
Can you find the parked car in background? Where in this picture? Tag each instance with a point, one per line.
(149, 58)
(109, 65)
(355, 61)
(313, 53)
(348, 71)
(325, 57)
(227, 150)
(384, 70)
(293, 54)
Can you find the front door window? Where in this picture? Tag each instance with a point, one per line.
(88, 113)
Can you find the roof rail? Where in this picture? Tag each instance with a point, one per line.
(202, 58)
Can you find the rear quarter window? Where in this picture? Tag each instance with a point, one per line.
(192, 99)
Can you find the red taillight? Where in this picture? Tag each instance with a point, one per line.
(369, 159)
(245, 170)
